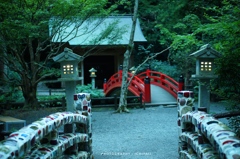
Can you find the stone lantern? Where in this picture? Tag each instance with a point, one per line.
(93, 75)
(69, 74)
(204, 73)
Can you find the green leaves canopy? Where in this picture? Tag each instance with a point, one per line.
(25, 43)
(187, 25)
(29, 18)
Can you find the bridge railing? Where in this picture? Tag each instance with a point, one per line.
(203, 136)
(136, 86)
(42, 139)
(161, 80)
(114, 80)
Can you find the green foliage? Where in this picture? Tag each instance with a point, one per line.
(163, 67)
(156, 65)
(12, 96)
(228, 82)
(175, 27)
(49, 97)
(182, 47)
(22, 21)
(192, 22)
(166, 35)
(17, 96)
(11, 91)
(215, 22)
(157, 17)
(180, 27)
(95, 93)
(53, 71)
(26, 46)
(234, 124)
(52, 100)
(186, 43)
(223, 31)
(11, 81)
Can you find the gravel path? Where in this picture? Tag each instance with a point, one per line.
(141, 134)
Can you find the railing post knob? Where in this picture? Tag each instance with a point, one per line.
(104, 85)
(148, 70)
(120, 70)
(181, 83)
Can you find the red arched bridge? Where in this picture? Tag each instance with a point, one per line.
(142, 82)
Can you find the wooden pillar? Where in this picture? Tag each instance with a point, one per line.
(147, 87)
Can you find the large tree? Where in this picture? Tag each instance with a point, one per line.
(127, 55)
(26, 46)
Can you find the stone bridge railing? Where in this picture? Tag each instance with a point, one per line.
(203, 136)
(43, 140)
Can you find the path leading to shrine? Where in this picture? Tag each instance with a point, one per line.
(141, 134)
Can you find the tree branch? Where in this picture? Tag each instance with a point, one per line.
(148, 58)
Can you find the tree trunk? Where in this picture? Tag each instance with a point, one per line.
(124, 88)
(29, 91)
(29, 83)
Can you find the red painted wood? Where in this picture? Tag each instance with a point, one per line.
(137, 84)
(147, 89)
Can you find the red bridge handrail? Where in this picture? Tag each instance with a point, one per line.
(137, 84)
(161, 80)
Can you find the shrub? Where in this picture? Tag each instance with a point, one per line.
(95, 93)
(12, 96)
(234, 124)
(163, 67)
